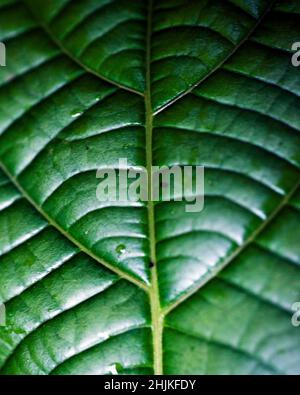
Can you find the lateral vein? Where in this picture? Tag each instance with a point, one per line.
(69, 237)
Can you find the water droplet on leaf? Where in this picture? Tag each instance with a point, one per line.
(121, 249)
(76, 113)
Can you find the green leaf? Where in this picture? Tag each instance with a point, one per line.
(96, 287)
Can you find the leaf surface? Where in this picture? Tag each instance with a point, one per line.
(96, 287)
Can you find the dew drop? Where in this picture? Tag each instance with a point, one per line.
(76, 113)
(121, 249)
(115, 368)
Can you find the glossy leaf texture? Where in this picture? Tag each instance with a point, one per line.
(96, 287)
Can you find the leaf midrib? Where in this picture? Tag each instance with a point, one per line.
(156, 312)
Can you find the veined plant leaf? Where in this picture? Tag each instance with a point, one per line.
(96, 287)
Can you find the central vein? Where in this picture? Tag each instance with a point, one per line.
(156, 314)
